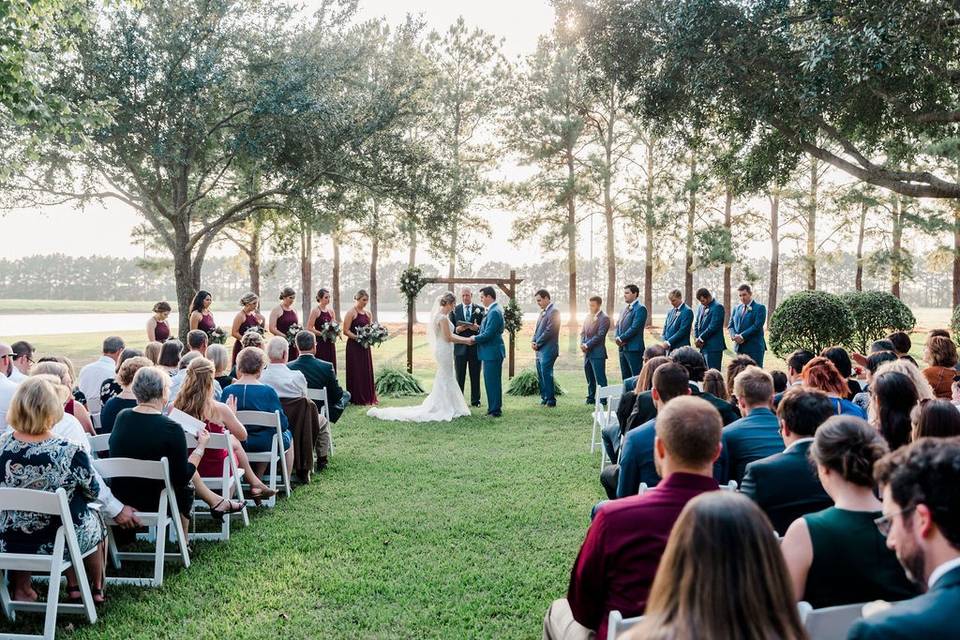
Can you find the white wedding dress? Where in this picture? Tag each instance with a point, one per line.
(445, 401)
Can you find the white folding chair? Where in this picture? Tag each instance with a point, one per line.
(167, 514)
(276, 453)
(227, 483)
(52, 504)
(94, 405)
(730, 486)
(642, 489)
(321, 396)
(829, 623)
(602, 414)
(617, 624)
(95, 419)
(99, 444)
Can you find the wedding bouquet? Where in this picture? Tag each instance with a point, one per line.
(216, 336)
(258, 328)
(372, 335)
(330, 331)
(292, 332)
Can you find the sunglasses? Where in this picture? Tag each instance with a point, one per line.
(885, 523)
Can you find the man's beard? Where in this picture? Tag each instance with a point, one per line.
(914, 563)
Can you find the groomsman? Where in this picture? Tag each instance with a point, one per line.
(629, 335)
(593, 344)
(466, 318)
(746, 326)
(546, 345)
(676, 327)
(708, 329)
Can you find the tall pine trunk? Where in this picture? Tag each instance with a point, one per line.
(571, 250)
(374, 259)
(306, 269)
(861, 232)
(608, 212)
(812, 204)
(648, 228)
(727, 266)
(335, 276)
(691, 220)
(412, 258)
(774, 252)
(253, 261)
(896, 257)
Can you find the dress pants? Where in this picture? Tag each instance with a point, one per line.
(548, 394)
(560, 625)
(756, 354)
(630, 363)
(714, 359)
(595, 370)
(492, 380)
(472, 362)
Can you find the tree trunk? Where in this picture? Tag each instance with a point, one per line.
(956, 253)
(412, 260)
(571, 252)
(649, 228)
(253, 261)
(374, 257)
(896, 256)
(335, 277)
(608, 201)
(861, 232)
(727, 266)
(774, 252)
(811, 255)
(306, 269)
(187, 284)
(691, 219)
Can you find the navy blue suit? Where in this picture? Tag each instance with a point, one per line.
(709, 328)
(748, 324)
(546, 337)
(491, 352)
(636, 461)
(630, 332)
(594, 336)
(931, 616)
(465, 355)
(676, 327)
(754, 437)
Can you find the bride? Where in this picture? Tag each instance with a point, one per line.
(445, 401)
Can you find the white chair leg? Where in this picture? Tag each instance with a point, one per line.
(284, 470)
(5, 599)
(53, 589)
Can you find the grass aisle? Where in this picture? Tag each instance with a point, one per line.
(462, 530)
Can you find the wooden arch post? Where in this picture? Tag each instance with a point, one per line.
(507, 285)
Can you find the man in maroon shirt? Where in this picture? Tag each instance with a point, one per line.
(619, 558)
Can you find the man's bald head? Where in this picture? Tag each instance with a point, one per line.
(6, 359)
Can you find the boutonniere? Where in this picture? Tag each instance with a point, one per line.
(748, 308)
(706, 310)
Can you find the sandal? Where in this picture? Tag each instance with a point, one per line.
(74, 595)
(232, 507)
(259, 495)
(98, 593)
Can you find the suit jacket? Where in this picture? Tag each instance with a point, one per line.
(546, 335)
(490, 339)
(630, 327)
(749, 326)
(754, 437)
(320, 375)
(931, 616)
(636, 460)
(676, 327)
(594, 335)
(637, 408)
(459, 315)
(785, 486)
(709, 327)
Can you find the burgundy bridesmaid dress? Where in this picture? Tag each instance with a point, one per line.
(206, 322)
(248, 323)
(286, 320)
(360, 367)
(325, 350)
(162, 331)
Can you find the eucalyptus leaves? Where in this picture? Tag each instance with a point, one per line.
(512, 317)
(411, 282)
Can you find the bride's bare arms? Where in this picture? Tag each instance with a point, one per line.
(448, 335)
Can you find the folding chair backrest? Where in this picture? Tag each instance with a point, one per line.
(617, 624)
(99, 443)
(45, 502)
(730, 486)
(611, 391)
(642, 489)
(320, 395)
(132, 468)
(832, 623)
(94, 405)
(95, 419)
(259, 418)
(216, 441)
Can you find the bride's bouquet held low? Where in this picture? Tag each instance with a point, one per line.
(330, 331)
(372, 335)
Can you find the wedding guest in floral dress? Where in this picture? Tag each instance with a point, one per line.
(283, 317)
(321, 314)
(359, 359)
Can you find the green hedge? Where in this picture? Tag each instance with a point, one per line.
(875, 315)
(810, 320)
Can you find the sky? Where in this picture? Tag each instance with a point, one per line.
(105, 230)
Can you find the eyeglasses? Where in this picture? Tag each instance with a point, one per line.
(885, 523)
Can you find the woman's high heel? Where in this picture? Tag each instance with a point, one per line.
(232, 507)
(263, 494)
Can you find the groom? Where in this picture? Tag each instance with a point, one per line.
(491, 351)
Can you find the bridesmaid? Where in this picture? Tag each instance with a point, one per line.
(359, 359)
(157, 328)
(200, 316)
(283, 317)
(323, 313)
(247, 318)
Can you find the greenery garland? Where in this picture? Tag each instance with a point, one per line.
(411, 282)
(512, 317)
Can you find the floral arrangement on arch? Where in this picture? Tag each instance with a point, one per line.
(512, 317)
(412, 282)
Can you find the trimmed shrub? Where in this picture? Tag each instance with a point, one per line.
(396, 383)
(875, 315)
(525, 383)
(810, 320)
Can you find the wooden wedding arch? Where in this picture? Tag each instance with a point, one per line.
(507, 285)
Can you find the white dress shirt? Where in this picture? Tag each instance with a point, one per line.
(7, 389)
(15, 376)
(939, 572)
(286, 382)
(93, 375)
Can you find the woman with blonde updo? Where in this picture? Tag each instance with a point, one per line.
(247, 318)
(70, 405)
(284, 316)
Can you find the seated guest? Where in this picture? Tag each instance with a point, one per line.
(196, 400)
(152, 351)
(286, 382)
(837, 556)
(936, 419)
(912, 371)
(754, 436)
(110, 386)
(941, 354)
(722, 576)
(874, 360)
(921, 503)
(252, 338)
(319, 375)
(32, 457)
(779, 382)
(901, 343)
(220, 357)
(170, 356)
(637, 460)
(71, 406)
(93, 375)
(785, 485)
(619, 557)
(634, 409)
(714, 385)
(796, 361)
(738, 364)
(841, 360)
(197, 340)
(943, 333)
(821, 374)
(894, 398)
(7, 389)
(144, 433)
(126, 399)
(71, 373)
(252, 395)
(178, 379)
(22, 360)
(654, 351)
(696, 365)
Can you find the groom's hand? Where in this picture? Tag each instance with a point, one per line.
(460, 328)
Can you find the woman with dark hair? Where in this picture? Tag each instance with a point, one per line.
(893, 398)
(941, 354)
(713, 384)
(841, 360)
(821, 374)
(157, 328)
(200, 316)
(736, 365)
(838, 556)
(721, 577)
(936, 419)
(110, 388)
(170, 356)
(247, 318)
(282, 317)
(359, 359)
(321, 314)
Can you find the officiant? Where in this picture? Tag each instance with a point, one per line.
(466, 318)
